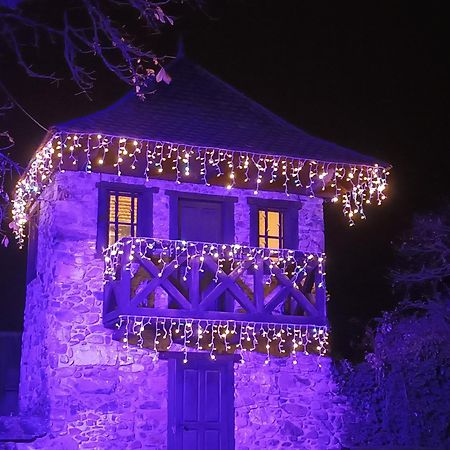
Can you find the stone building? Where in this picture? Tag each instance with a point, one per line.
(176, 287)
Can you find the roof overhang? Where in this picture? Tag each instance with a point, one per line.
(351, 184)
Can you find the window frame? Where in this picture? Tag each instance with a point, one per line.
(144, 225)
(119, 196)
(266, 236)
(289, 210)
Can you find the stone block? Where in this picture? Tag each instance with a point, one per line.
(92, 355)
(295, 410)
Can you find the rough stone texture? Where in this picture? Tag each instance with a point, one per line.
(286, 406)
(21, 428)
(93, 393)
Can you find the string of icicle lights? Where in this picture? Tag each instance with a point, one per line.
(352, 185)
(292, 263)
(224, 336)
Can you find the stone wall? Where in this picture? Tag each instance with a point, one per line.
(285, 406)
(93, 393)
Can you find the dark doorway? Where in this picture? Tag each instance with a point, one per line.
(201, 403)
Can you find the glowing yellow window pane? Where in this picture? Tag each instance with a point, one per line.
(111, 234)
(135, 201)
(273, 243)
(124, 209)
(124, 231)
(112, 208)
(262, 242)
(123, 215)
(262, 223)
(273, 224)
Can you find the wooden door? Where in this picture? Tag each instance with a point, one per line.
(204, 221)
(201, 404)
(200, 220)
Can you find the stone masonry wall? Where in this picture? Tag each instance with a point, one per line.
(284, 406)
(93, 393)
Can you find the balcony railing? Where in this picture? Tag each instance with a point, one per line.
(147, 277)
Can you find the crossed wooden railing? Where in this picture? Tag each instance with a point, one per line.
(178, 279)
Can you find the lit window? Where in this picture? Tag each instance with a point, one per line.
(270, 228)
(123, 214)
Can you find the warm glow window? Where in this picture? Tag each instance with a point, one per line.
(270, 228)
(123, 215)
(123, 210)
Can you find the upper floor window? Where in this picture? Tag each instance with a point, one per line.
(123, 210)
(270, 228)
(123, 215)
(273, 223)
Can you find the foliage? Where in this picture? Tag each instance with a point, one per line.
(423, 267)
(399, 396)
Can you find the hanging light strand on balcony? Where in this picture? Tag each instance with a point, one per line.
(223, 337)
(126, 254)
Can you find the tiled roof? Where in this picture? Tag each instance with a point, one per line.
(199, 109)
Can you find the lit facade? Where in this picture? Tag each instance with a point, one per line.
(176, 291)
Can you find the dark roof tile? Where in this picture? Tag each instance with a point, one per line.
(199, 109)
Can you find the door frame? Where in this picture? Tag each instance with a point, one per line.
(227, 205)
(175, 360)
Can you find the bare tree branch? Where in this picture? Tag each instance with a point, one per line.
(75, 31)
(86, 28)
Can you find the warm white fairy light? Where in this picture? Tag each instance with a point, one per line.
(365, 184)
(292, 263)
(213, 335)
(169, 332)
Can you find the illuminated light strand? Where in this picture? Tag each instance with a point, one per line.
(68, 150)
(223, 336)
(292, 263)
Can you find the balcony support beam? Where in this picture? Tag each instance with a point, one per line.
(202, 284)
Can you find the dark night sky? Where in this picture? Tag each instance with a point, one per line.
(369, 75)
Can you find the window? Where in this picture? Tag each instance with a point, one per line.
(123, 210)
(270, 228)
(123, 215)
(273, 223)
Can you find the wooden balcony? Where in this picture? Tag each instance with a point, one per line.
(154, 278)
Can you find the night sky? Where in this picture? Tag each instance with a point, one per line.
(372, 76)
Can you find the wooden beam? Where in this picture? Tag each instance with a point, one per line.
(277, 296)
(226, 316)
(301, 299)
(156, 281)
(258, 285)
(227, 282)
(321, 295)
(194, 284)
(165, 283)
